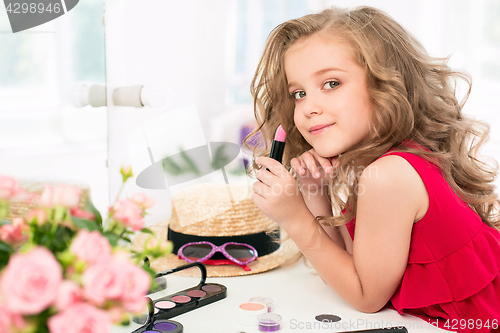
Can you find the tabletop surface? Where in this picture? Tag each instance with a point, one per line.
(298, 294)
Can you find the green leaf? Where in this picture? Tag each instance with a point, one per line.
(147, 231)
(85, 224)
(126, 239)
(91, 208)
(4, 259)
(6, 247)
(150, 271)
(112, 238)
(147, 263)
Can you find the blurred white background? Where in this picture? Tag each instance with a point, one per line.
(206, 51)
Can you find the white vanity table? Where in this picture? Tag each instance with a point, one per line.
(299, 295)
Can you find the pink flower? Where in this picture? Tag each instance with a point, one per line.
(137, 284)
(18, 222)
(128, 213)
(31, 281)
(82, 214)
(80, 318)
(117, 279)
(38, 216)
(157, 246)
(5, 319)
(9, 189)
(142, 200)
(104, 281)
(14, 234)
(69, 293)
(61, 195)
(91, 247)
(9, 320)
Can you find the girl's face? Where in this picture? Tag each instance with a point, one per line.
(333, 111)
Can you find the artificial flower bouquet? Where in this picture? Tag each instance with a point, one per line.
(62, 269)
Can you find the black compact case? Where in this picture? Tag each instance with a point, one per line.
(183, 301)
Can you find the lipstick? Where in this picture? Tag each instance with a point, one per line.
(278, 146)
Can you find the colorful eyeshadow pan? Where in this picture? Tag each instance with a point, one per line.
(248, 313)
(252, 306)
(162, 326)
(269, 322)
(166, 327)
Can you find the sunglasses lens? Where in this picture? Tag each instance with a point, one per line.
(196, 251)
(240, 252)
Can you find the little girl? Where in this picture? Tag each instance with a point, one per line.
(380, 186)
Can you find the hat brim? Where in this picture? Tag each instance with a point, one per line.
(287, 252)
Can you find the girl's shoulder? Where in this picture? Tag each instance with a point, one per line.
(393, 176)
(393, 168)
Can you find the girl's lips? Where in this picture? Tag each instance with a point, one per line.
(319, 129)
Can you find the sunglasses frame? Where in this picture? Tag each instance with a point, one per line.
(221, 249)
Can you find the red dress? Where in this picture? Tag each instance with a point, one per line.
(453, 270)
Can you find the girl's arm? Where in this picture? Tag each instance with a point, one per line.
(319, 204)
(391, 197)
(314, 191)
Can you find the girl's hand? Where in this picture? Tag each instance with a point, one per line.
(314, 171)
(277, 193)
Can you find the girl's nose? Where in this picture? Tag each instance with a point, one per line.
(311, 108)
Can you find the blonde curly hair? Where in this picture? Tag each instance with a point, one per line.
(413, 98)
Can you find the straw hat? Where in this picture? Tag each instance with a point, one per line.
(234, 223)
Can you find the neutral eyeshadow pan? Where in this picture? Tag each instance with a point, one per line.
(181, 299)
(196, 293)
(327, 318)
(210, 288)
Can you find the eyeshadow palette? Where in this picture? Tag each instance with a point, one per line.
(188, 299)
(180, 302)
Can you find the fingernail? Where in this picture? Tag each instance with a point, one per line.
(302, 171)
(317, 175)
(328, 169)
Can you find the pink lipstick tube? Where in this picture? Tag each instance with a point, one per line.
(278, 146)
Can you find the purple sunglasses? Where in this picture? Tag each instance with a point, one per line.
(238, 253)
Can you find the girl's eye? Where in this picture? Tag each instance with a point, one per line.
(299, 94)
(330, 84)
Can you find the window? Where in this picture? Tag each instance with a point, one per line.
(37, 67)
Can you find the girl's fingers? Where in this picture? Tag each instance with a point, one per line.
(298, 166)
(310, 160)
(323, 163)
